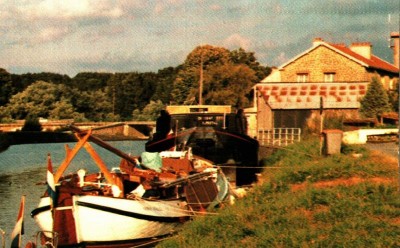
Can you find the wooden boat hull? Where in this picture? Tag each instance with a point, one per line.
(127, 204)
(219, 146)
(104, 219)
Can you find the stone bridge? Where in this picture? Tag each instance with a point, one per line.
(129, 129)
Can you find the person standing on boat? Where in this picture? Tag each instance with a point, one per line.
(163, 125)
(241, 122)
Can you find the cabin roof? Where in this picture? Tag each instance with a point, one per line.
(309, 95)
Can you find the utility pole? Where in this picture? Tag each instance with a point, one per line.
(201, 79)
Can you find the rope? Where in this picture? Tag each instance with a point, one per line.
(250, 167)
(151, 242)
(284, 148)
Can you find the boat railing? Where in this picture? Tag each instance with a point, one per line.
(48, 239)
(279, 136)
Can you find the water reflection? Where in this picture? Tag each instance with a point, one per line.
(22, 167)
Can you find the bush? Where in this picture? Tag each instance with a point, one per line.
(31, 124)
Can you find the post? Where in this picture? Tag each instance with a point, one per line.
(321, 124)
(3, 238)
(398, 151)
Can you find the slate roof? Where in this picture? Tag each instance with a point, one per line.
(309, 95)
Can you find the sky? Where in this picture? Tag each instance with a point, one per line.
(72, 36)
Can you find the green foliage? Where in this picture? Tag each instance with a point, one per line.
(394, 98)
(376, 101)
(240, 56)
(226, 85)
(150, 112)
(165, 82)
(228, 77)
(90, 81)
(5, 86)
(39, 99)
(312, 201)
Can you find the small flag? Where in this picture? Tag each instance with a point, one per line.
(19, 226)
(51, 186)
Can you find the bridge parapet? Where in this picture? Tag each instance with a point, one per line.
(138, 129)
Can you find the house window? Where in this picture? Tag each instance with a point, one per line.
(329, 77)
(302, 77)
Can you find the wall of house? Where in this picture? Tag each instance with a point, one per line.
(323, 60)
(305, 119)
(329, 115)
(264, 114)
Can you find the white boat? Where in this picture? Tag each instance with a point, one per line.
(129, 205)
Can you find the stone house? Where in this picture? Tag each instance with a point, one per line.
(328, 79)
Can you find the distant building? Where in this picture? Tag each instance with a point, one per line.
(329, 77)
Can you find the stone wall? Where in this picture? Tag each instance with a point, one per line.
(324, 60)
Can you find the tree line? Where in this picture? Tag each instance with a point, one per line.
(227, 76)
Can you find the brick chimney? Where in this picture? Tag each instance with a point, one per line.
(394, 44)
(317, 41)
(362, 48)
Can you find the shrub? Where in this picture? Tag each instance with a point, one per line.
(31, 124)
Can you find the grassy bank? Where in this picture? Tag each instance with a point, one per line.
(309, 201)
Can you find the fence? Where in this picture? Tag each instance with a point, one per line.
(279, 136)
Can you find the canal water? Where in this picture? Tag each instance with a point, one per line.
(24, 167)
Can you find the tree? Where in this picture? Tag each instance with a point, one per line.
(375, 101)
(129, 91)
(165, 83)
(240, 56)
(90, 81)
(5, 86)
(227, 77)
(41, 99)
(228, 84)
(150, 112)
(187, 81)
(63, 109)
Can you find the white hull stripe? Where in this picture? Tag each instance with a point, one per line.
(132, 214)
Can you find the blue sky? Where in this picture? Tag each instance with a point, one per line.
(73, 36)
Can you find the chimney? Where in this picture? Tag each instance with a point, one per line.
(362, 48)
(394, 44)
(317, 41)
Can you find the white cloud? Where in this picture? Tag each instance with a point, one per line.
(75, 35)
(236, 40)
(71, 9)
(281, 58)
(51, 34)
(215, 7)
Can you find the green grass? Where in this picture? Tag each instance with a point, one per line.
(311, 201)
